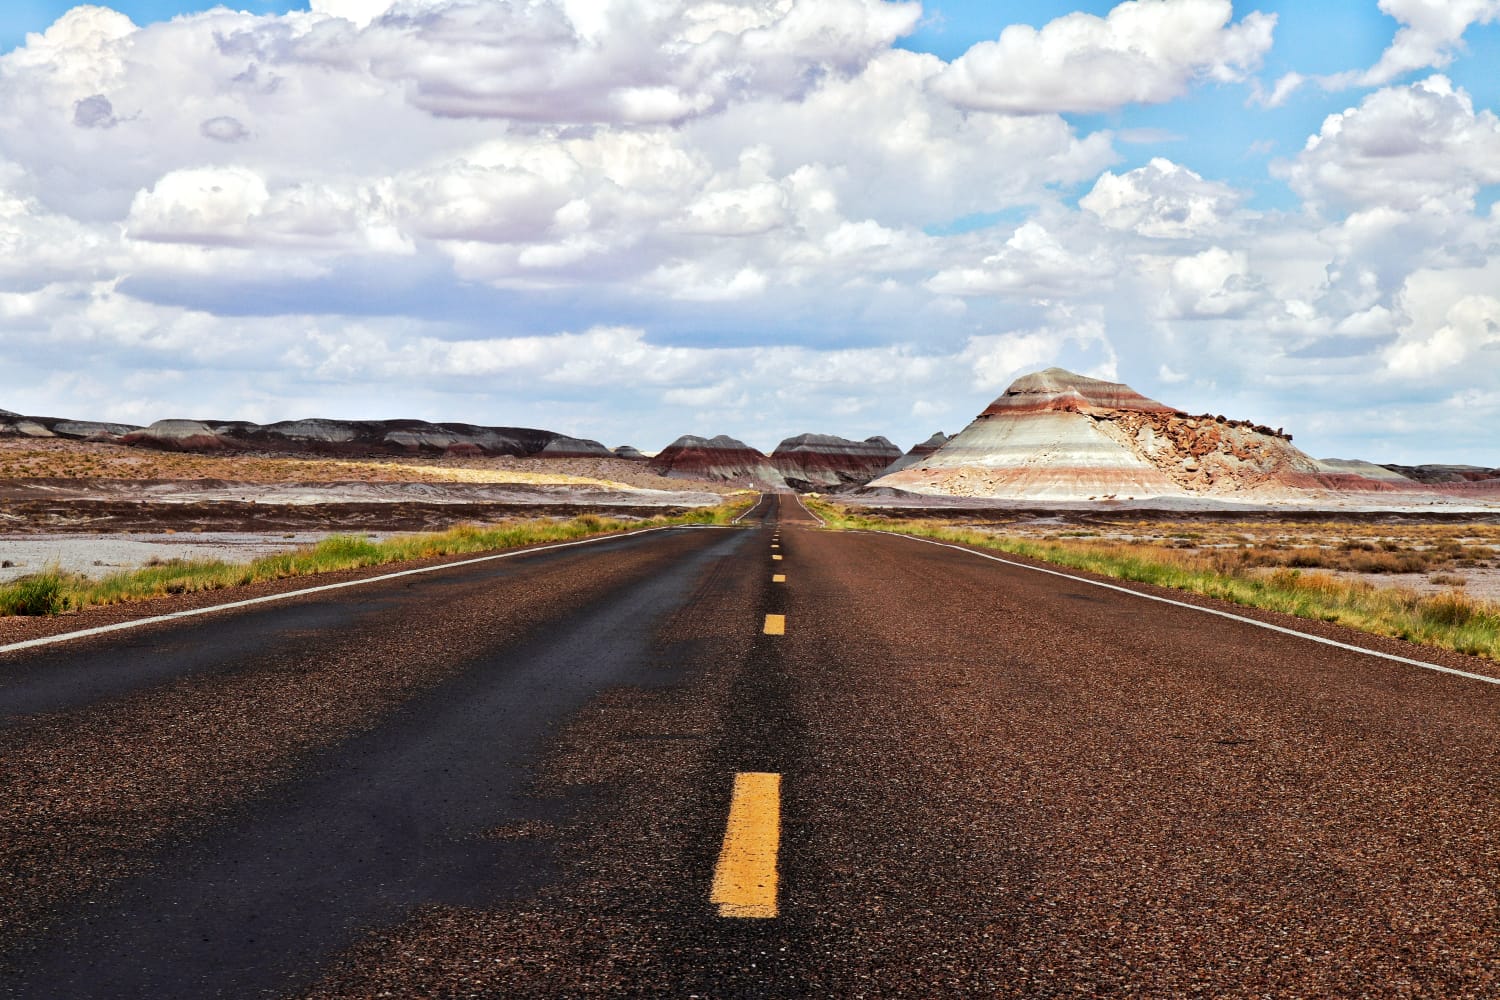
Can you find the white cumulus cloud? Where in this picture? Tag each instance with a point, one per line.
(1422, 147)
(1143, 51)
(1161, 199)
(1430, 34)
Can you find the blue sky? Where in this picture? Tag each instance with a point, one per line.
(20, 16)
(241, 217)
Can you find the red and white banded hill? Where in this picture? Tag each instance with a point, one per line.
(1055, 435)
(721, 458)
(814, 462)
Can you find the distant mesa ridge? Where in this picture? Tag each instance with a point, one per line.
(317, 436)
(1052, 435)
(1454, 475)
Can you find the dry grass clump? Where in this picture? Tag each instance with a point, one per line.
(42, 593)
(1289, 580)
(53, 592)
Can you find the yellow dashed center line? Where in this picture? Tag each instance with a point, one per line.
(776, 558)
(775, 625)
(745, 878)
(778, 578)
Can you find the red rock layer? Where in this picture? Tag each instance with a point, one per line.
(721, 459)
(1059, 389)
(812, 462)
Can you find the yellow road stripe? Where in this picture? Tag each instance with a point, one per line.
(777, 558)
(778, 578)
(775, 624)
(745, 878)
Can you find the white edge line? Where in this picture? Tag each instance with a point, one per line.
(192, 612)
(759, 497)
(1208, 611)
(809, 513)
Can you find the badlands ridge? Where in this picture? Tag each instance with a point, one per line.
(1052, 437)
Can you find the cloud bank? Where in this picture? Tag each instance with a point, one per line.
(639, 218)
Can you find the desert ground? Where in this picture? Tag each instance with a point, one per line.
(1425, 553)
(95, 508)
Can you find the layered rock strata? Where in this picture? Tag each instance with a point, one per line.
(815, 462)
(918, 453)
(721, 459)
(1055, 435)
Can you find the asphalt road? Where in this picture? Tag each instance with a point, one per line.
(513, 778)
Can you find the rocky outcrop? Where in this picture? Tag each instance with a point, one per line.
(178, 435)
(563, 446)
(821, 462)
(918, 452)
(631, 452)
(16, 425)
(1055, 435)
(1444, 475)
(721, 459)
